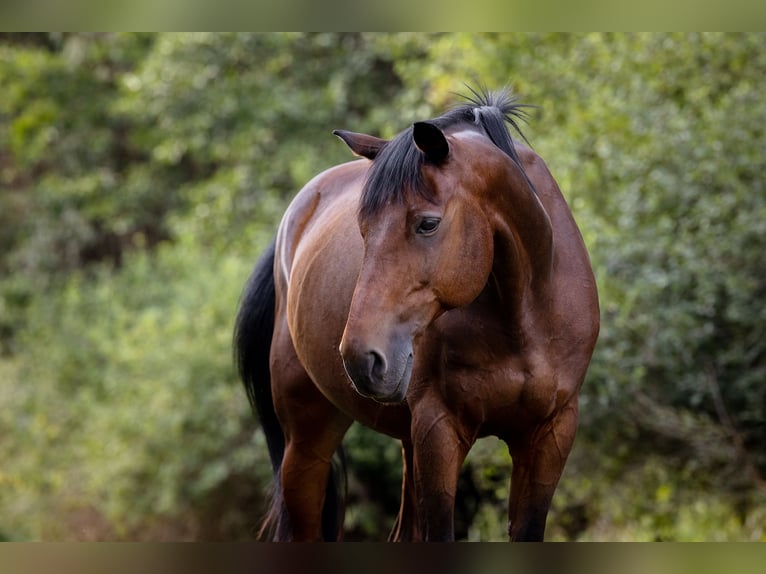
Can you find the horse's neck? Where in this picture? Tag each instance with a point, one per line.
(523, 263)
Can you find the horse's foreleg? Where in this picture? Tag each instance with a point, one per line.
(407, 528)
(439, 452)
(537, 466)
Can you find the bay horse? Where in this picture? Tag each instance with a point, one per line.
(437, 290)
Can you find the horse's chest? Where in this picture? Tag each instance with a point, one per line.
(489, 379)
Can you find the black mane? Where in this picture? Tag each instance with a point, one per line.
(397, 168)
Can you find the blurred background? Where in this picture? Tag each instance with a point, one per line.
(141, 175)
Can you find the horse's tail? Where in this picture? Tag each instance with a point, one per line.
(253, 333)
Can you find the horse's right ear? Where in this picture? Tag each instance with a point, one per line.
(362, 144)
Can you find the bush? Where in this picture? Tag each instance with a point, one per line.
(126, 401)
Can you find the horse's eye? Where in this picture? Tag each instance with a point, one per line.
(428, 226)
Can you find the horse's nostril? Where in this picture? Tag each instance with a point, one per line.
(376, 365)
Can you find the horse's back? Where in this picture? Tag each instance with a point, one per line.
(328, 199)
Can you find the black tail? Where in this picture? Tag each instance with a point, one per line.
(252, 344)
(253, 333)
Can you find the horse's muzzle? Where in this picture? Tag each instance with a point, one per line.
(378, 375)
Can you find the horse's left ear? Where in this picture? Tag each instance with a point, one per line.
(362, 144)
(431, 141)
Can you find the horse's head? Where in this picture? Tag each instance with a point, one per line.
(428, 247)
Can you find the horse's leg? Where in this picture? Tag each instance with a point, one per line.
(407, 528)
(538, 463)
(313, 430)
(439, 453)
(305, 472)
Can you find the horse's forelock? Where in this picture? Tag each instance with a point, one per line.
(396, 171)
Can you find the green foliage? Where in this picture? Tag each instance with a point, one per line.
(129, 402)
(141, 174)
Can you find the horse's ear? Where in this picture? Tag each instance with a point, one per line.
(362, 144)
(431, 141)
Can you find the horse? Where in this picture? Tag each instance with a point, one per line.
(437, 289)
